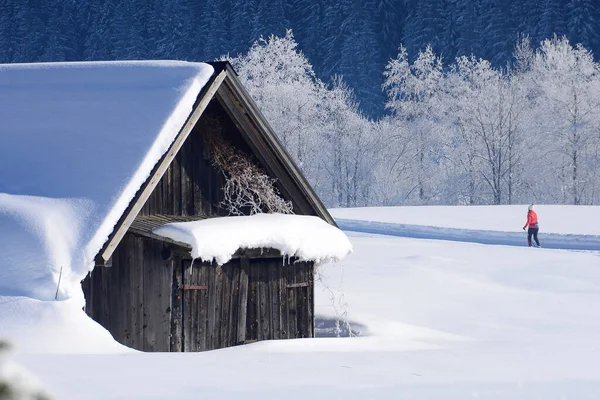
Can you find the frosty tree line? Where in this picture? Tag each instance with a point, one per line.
(464, 133)
(423, 124)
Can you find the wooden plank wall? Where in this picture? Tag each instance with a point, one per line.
(139, 299)
(213, 305)
(132, 299)
(240, 302)
(280, 300)
(191, 185)
(141, 302)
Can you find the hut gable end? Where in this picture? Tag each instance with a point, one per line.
(184, 182)
(154, 296)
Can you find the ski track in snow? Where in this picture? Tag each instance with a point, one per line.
(547, 240)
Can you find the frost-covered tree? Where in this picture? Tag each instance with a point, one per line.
(347, 140)
(282, 82)
(413, 92)
(392, 163)
(488, 135)
(320, 126)
(569, 111)
(487, 114)
(462, 147)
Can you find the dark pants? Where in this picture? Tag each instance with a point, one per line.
(534, 232)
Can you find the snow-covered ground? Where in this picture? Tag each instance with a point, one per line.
(437, 320)
(569, 228)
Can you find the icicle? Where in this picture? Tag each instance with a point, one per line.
(192, 266)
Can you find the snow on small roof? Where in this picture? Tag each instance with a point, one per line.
(78, 141)
(302, 236)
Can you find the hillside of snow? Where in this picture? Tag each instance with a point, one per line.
(431, 319)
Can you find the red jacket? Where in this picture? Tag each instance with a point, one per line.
(532, 220)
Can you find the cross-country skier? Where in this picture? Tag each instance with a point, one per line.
(532, 223)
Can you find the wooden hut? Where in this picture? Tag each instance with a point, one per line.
(145, 290)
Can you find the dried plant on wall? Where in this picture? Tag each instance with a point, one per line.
(247, 187)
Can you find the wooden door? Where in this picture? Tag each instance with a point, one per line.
(194, 292)
(212, 306)
(280, 300)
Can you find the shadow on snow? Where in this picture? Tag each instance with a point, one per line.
(332, 327)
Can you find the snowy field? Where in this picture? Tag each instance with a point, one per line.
(569, 228)
(478, 316)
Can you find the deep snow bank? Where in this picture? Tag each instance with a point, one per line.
(78, 141)
(39, 327)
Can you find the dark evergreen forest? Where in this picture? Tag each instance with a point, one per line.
(352, 38)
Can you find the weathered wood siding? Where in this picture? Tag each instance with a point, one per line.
(191, 185)
(151, 304)
(280, 300)
(242, 301)
(132, 299)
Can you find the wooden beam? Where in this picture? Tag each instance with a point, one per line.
(154, 236)
(138, 202)
(295, 285)
(100, 262)
(277, 147)
(248, 117)
(192, 287)
(262, 152)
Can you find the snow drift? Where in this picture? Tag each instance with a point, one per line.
(78, 141)
(306, 237)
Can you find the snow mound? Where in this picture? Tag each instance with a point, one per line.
(78, 141)
(305, 237)
(43, 327)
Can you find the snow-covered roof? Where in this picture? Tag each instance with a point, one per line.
(78, 141)
(303, 236)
